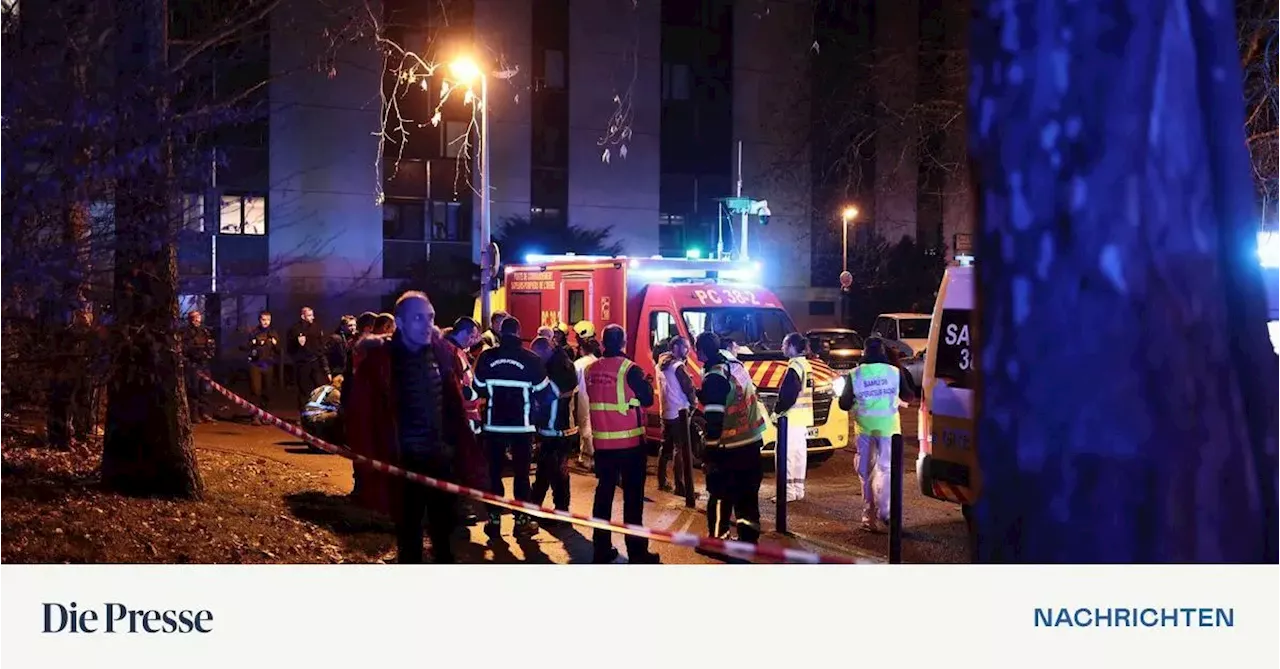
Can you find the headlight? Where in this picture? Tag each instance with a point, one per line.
(837, 385)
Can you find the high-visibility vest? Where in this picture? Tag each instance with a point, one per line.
(614, 408)
(875, 390)
(801, 413)
(743, 418)
(470, 399)
(321, 402)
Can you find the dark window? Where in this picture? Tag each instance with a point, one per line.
(547, 215)
(550, 189)
(549, 146)
(456, 138)
(822, 308)
(403, 221)
(675, 81)
(448, 224)
(399, 258)
(577, 305)
(671, 235)
(553, 68)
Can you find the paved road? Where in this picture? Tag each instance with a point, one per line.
(826, 520)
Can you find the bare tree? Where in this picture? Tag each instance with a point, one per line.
(1127, 409)
(1257, 25)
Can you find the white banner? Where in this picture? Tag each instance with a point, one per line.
(776, 616)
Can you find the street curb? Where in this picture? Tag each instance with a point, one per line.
(856, 553)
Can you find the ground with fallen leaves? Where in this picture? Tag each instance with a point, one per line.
(254, 510)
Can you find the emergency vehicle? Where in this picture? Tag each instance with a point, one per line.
(655, 298)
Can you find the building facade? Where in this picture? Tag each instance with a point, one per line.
(315, 209)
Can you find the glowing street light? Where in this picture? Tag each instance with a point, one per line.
(466, 71)
(847, 215)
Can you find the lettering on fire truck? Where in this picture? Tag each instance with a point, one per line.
(731, 296)
(532, 281)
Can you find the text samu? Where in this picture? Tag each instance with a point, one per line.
(118, 618)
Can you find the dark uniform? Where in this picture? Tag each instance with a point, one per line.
(310, 366)
(735, 436)
(264, 354)
(509, 377)
(558, 430)
(198, 347)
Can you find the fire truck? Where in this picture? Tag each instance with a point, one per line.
(655, 298)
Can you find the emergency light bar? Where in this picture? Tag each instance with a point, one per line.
(539, 258)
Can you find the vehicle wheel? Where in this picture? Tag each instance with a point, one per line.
(971, 529)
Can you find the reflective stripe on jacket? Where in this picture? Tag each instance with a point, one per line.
(801, 413)
(614, 408)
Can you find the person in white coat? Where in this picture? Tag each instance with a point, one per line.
(795, 401)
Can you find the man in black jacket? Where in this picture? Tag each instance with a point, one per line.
(264, 354)
(338, 343)
(305, 345)
(198, 347)
(557, 428)
(510, 377)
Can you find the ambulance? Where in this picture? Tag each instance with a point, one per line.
(655, 298)
(947, 466)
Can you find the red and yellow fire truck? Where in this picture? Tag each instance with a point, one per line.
(654, 298)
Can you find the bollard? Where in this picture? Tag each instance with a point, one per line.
(895, 500)
(780, 475)
(690, 498)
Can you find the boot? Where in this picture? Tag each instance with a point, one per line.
(526, 526)
(493, 526)
(663, 461)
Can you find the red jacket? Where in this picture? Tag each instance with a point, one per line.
(371, 420)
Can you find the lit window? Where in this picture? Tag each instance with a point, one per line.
(553, 72)
(447, 224)
(243, 215)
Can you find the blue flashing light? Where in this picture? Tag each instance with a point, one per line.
(693, 254)
(1269, 249)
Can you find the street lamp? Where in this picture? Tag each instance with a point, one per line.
(465, 71)
(847, 215)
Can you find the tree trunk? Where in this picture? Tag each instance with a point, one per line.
(148, 448)
(1127, 410)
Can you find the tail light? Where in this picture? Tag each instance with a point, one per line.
(922, 427)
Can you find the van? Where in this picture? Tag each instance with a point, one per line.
(947, 467)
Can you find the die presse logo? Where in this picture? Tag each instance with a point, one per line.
(114, 618)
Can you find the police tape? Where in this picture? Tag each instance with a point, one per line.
(736, 549)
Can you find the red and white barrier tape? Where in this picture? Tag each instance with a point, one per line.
(736, 549)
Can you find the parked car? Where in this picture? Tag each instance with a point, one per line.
(840, 348)
(913, 370)
(910, 332)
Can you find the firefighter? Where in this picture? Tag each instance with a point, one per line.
(795, 401)
(556, 427)
(735, 435)
(617, 392)
(873, 394)
(588, 352)
(560, 337)
(508, 377)
(678, 395)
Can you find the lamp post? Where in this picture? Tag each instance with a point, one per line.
(847, 215)
(465, 70)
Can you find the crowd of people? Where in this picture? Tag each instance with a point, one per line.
(462, 404)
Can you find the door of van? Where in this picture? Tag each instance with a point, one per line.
(656, 325)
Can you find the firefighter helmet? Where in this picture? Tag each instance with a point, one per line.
(585, 330)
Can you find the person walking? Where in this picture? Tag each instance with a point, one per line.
(305, 344)
(735, 437)
(263, 348)
(508, 377)
(617, 393)
(795, 401)
(404, 407)
(198, 347)
(678, 396)
(872, 395)
(557, 428)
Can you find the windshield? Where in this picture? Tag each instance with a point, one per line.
(755, 328)
(835, 341)
(913, 328)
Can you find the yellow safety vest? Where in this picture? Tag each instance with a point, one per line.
(801, 413)
(875, 390)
